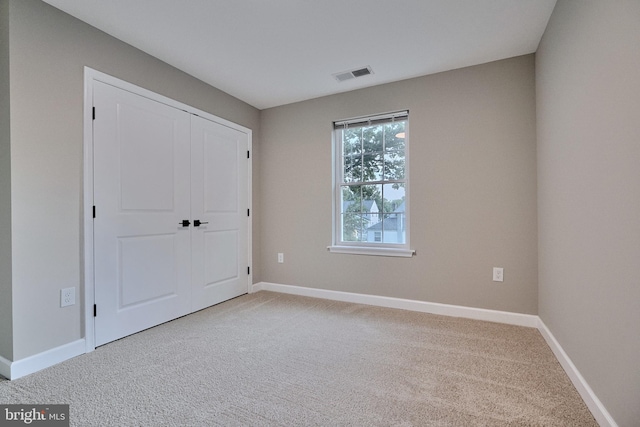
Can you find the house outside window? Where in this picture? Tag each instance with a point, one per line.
(371, 183)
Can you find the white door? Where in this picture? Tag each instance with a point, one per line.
(171, 220)
(142, 255)
(219, 202)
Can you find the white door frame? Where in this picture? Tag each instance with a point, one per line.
(90, 76)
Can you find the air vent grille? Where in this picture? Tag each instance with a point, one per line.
(344, 76)
(361, 72)
(352, 74)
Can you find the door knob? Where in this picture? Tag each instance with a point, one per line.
(197, 222)
(185, 223)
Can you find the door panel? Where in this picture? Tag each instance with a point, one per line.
(147, 269)
(221, 252)
(146, 159)
(141, 192)
(220, 170)
(219, 189)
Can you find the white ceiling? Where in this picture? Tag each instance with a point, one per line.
(274, 52)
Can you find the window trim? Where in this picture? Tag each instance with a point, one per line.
(371, 250)
(367, 248)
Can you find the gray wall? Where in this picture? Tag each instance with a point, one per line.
(48, 52)
(473, 190)
(6, 333)
(588, 95)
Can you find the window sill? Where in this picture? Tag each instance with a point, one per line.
(362, 250)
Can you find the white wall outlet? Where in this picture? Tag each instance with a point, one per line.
(498, 274)
(280, 257)
(67, 297)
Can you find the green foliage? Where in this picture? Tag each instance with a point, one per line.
(374, 153)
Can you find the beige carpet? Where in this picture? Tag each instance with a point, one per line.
(278, 360)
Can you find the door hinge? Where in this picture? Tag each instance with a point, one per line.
(94, 211)
(248, 270)
(95, 310)
(94, 113)
(248, 155)
(248, 212)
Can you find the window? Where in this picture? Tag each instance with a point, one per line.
(371, 185)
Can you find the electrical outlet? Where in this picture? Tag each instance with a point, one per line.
(280, 257)
(67, 297)
(498, 274)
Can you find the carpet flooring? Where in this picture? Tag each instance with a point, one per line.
(269, 359)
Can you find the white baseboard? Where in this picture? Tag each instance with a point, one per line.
(5, 368)
(594, 404)
(518, 319)
(596, 407)
(43, 360)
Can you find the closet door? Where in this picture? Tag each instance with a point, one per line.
(142, 253)
(219, 201)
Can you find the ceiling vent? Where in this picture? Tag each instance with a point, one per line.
(348, 75)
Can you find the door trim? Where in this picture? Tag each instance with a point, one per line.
(90, 76)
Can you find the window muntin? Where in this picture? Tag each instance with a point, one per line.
(371, 181)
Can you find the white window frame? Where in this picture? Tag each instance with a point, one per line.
(366, 248)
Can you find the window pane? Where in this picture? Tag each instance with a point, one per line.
(350, 228)
(372, 197)
(394, 228)
(351, 196)
(351, 223)
(372, 138)
(394, 215)
(372, 167)
(352, 167)
(394, 136)
(395, 145)
(371, 201)
(360, 211)
(393, 198)
(367, 223)
(352, 155)
(394, 166)
(351, 142)
(355, 227)
(394, 151)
